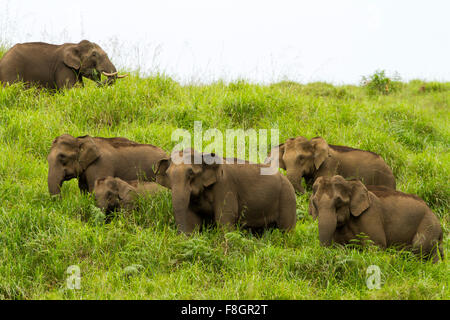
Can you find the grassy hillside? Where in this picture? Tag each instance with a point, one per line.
(141, 255)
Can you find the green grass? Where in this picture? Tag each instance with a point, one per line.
(41, 237)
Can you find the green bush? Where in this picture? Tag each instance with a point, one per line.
(378, 83)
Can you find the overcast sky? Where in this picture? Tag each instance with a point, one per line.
(261, 41)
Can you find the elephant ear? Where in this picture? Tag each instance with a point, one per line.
(210, 174)
(123, 188)
(88, 152)
(212, 169)
(160, 172)
(277, 151)
(162, 166)
(98, 182)
(321, 151)
(359, 201)
(71, 57)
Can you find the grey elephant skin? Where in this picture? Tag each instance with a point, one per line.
(112, 193)
(90, 158)
(225, 194)
(310, 159)
(345, 209)
(55, 66)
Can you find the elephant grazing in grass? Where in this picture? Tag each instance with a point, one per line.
(114, 193)
(90, 158)
(56, 66)
(388, 217)
(226, 193)
(310, 159)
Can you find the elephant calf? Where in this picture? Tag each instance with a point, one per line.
(310, 159)
(388, 217)
(227, 194)
(90, 158)
(114, 193)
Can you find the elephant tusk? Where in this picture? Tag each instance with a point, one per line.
(110, 74)
(122, 76)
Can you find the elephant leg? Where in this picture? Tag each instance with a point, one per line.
(226, 211)
(287, 217)
(437, 251)
(83, 184)
(426, 242)
(93, 173)
(65, 78)
(372, 230)
(193, 222)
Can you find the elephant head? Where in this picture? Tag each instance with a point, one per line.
(187, 179)
(68, 158)
(90, 61)
(334, 199)
(112, 193)
(300, 158)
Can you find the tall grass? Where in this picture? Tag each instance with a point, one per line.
(140, 255)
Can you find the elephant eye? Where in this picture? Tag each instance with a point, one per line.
(62, 158)
(190, 172)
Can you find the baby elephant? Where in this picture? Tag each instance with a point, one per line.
(114, 193)
(388, 217)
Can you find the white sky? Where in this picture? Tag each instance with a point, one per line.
(261, 41)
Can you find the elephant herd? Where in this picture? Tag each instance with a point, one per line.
(353, 196)
(353, 191)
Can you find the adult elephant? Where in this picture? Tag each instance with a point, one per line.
(90, 158)
(345, 209)
(216, 190)
(56, 66)
(310, 159)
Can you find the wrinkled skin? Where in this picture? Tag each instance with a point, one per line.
(226, 194)
(114, 193)
(345, 209)
(55, 66)
(310, 159)
(90, 158)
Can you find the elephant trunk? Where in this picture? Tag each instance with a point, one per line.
(55, 180)
(327, 226)
(109, 70)
(180, 203)
(296, 180)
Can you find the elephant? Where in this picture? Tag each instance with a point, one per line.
(310, 159)
(214, 191)
(346, 209)
(114, 193)
(56, 66)
(90, 158)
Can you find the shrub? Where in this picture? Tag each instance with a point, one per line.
(380, 83)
